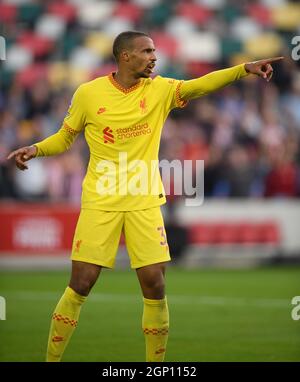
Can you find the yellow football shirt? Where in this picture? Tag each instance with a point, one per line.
(122, 128)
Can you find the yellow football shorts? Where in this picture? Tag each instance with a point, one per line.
(97, 237)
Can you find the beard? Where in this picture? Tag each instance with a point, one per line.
(143, 75)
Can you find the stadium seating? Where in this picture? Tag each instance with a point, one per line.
(65, 43)
(183, 29)
(128, 11)
(68, 12)
(194, 12)
(39, 46)
(8, 13)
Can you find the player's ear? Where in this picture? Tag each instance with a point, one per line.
(125, 55)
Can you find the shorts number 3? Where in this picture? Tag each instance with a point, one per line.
(163, 235)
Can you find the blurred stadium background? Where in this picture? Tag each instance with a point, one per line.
(248, 135)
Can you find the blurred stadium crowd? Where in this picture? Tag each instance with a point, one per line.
(248, 134)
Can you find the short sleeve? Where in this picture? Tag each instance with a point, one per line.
(75, 118)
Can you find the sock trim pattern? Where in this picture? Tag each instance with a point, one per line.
(155, 331)
(66, 320)
(57, 339)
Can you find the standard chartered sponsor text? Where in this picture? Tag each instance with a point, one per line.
(133, 131)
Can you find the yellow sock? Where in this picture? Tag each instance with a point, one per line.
(156, 328)
(63, 324)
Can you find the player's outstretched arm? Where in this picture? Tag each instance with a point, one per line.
(53, 145)
(262, 68)
(220, 78)
(23, 155)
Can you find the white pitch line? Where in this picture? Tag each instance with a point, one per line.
(132, 298)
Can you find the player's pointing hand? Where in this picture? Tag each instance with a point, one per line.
(262, 68)
(23, 155)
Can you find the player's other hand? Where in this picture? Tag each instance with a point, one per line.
(23, 155)
(262, 68)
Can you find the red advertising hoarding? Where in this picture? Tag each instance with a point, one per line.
(37, 228)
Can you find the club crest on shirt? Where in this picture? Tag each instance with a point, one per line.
(143, 105)
(77, 245)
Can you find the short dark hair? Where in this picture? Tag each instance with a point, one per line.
(123, 41)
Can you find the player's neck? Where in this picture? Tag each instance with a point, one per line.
(125, 79)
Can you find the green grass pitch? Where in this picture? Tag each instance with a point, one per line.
(215, 315)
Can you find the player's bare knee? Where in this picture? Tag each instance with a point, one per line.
(81, 287)
(154, 289)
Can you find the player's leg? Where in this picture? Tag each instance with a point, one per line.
(66, 313)
(155, 321)
(152, 280)
(148, 250)
(94, 246)
(83, 277)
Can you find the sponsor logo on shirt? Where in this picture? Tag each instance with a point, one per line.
(134, 131)
(108, 137)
